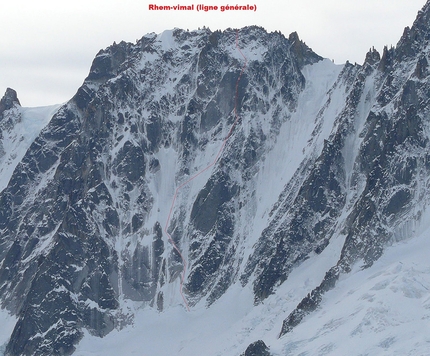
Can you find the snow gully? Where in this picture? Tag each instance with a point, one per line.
(175, 247)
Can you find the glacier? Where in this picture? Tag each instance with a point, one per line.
(382, 310)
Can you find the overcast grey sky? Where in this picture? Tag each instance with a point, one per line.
(46, 46)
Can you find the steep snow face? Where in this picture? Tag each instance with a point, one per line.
(19, 128)
(296, 141)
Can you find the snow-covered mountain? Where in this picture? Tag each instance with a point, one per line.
(220, 193)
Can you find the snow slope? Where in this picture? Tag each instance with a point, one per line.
(226, 328)
(7, 322)
(382, 310)
(18, 133)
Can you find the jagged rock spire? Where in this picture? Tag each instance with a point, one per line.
(9, 99)
(372, 56)
(416, 37)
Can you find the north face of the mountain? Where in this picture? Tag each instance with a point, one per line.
(325, 163)
(82, 215)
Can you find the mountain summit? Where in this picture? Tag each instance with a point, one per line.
(9, 99)
(264, 189)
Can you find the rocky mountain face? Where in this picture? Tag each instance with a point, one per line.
(322, 156)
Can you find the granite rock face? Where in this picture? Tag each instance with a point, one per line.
(257, 348)
(82, 215)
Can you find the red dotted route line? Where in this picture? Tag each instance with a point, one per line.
(184, 262)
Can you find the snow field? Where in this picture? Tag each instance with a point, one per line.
(7, 323)
(18, 138)
(383, 310)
